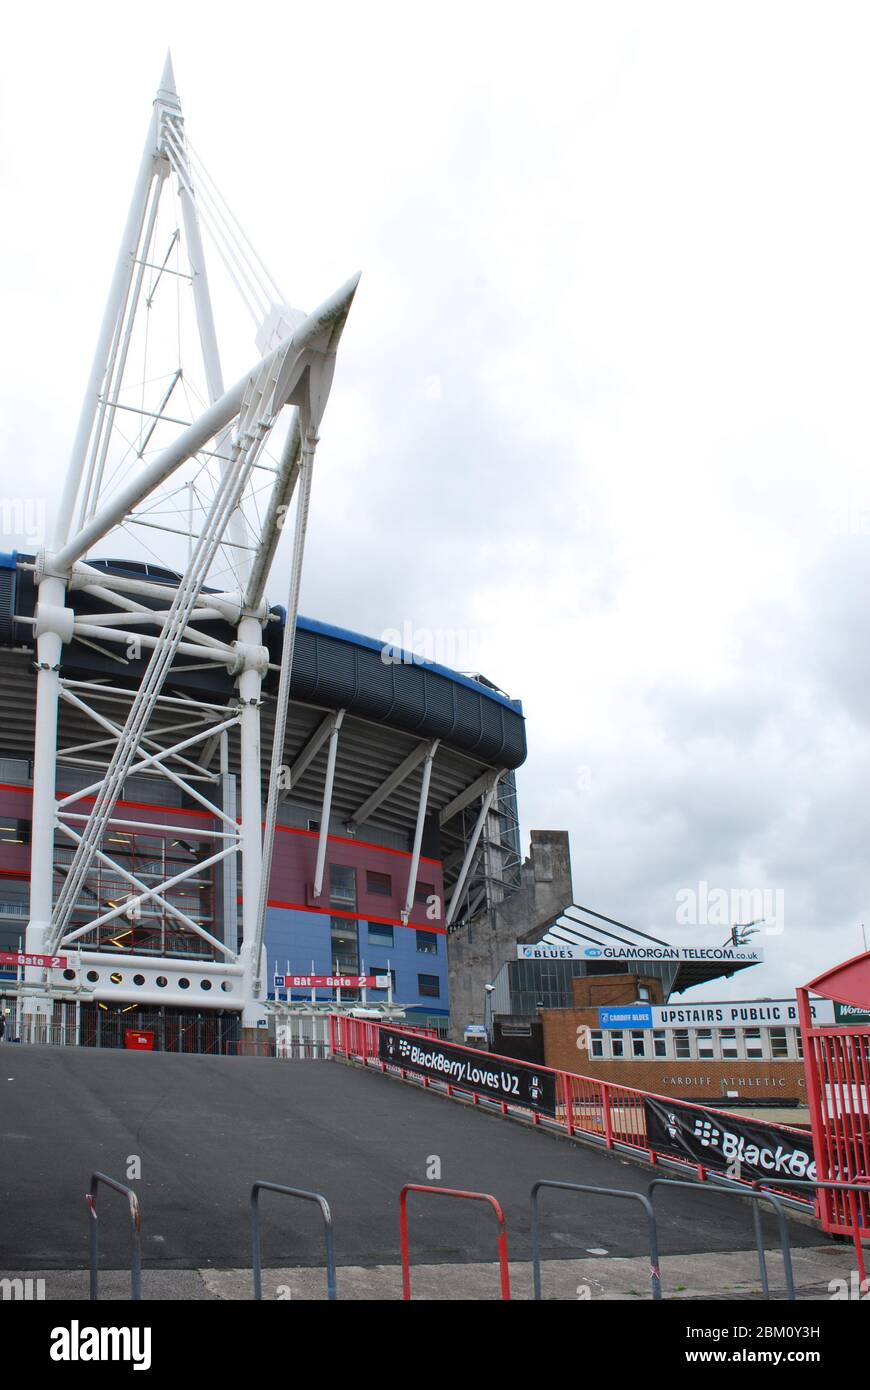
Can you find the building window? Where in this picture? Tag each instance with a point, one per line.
(548, 982)
(643, 993)
(799, 1039)
(660, 1044)
(344, 944)
(779, 1043)
(342, 886)
(423, 892)
(14, 832)
(682, 1046)
(379, 884)
(706, 1051)
(638, 1044)
(617, 1045)
(752, 1040)
(429, 986)
(427, 942)
(382, 971)
(728, 1043)
(379, 935)
(596, 1043)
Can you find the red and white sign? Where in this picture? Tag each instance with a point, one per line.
(331, 981)
(22, 958)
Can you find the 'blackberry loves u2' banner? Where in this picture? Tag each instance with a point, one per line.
(502, 1078)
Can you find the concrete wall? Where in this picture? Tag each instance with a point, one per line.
(476, 953)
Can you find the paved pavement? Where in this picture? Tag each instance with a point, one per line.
(204, 1128)
(732, 1274)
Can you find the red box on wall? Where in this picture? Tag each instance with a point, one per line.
(138, 1042)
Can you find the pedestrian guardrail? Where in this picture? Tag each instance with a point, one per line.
(756, 1194)
(754, 1197)
(836, 1185)
(102, 1179)
(305, 1196)
(504, 1271)
(655, 1276)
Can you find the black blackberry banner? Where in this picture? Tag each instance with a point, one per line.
(728, 1144)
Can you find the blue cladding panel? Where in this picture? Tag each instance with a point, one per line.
(303, 937)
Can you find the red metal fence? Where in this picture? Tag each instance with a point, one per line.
(610, 1113)
(838, 1061)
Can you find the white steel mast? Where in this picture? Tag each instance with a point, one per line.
(206, 482)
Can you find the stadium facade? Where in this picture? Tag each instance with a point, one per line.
(372, 735)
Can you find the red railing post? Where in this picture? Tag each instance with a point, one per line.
(504, 1268)
(608, 1123)
(856, 1238)
(568, 1100)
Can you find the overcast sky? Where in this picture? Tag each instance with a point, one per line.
(600, 413)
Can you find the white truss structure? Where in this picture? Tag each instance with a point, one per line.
(190, 473)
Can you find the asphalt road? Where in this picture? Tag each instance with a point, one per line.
(204, 1128)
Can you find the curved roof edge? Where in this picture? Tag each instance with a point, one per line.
(403, 658)
(333, 668)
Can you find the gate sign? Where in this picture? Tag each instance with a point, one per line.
(332, 981)
(728, 1144)
(501, 1078)
(42, 962)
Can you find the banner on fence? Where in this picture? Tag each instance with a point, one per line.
(500, 1078)
(728, 1144)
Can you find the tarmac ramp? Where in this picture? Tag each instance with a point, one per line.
(204, 1128)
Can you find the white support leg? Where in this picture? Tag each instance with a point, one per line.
(326, 809)
(250, 685)
(229, 875)
(470, 852)
(418, 832)
(52, 617)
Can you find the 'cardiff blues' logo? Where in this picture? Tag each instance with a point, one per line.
(592, 951)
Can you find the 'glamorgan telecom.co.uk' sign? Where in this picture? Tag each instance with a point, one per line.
(569, 950)
(500, 1078)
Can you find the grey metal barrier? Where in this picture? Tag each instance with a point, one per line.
(300, 1192)
(645, 1202)
(754, 1197)
(135, 1227)
(836, 1185)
